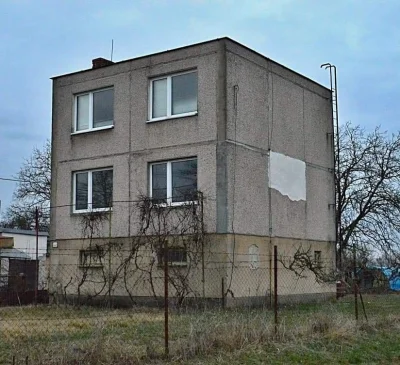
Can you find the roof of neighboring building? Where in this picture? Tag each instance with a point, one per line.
(21, 231)
(13, 253)
(195, 45)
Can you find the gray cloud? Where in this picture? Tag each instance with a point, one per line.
(41, 39)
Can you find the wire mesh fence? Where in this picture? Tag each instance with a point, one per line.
(101, 305)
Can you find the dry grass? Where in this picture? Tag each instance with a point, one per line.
(58, 335)
(61, 335)
(312, 334)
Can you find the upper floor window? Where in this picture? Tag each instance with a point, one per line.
(173, 96)
(93, 190)
(174, 182)
(94, 110)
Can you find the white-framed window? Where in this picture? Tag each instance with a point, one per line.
(173, 96)
(93, 190)
(173, 182)
(94, 110)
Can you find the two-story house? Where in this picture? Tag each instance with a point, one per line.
(253, 136)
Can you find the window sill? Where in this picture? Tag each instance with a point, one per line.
(94, 211)
(177, 205)
(92, 266)
(93, 130)
(173, 264)
(178, 116)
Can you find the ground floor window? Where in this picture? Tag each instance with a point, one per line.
(91, 258)
(177, 256)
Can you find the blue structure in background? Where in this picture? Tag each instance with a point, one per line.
(393, 276)
(388, 277)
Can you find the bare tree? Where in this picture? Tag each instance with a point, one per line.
(17, 217)
(137, 267)
(33, 190)
(369, 183)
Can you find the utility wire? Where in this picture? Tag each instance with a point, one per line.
(12, 179)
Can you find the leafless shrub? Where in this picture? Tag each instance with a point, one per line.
(174, 233)
(180, 231)
(303, 262)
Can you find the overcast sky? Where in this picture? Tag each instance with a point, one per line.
(40, 39)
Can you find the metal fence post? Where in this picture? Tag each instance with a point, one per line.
(37, 255)
(276, 288)
(355, 282)
(166, 311)
(223, 292)
(109, 260)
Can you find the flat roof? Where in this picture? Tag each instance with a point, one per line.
(189, 46)
(13, 253)
(21, 231)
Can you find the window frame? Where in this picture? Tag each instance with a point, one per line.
(90, 128)
(169, 181)
(169, 97)
(90, 252)
(90, 191)
(161, 255)
(318, 258)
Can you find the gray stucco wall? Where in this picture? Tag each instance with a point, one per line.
(132, 144)
(248, 106)
(276, 109)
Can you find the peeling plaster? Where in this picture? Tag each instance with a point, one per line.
(288, 176)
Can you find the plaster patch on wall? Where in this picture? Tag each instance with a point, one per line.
(254, 253)
(287, 175)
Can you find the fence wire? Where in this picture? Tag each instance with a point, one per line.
(94, 306)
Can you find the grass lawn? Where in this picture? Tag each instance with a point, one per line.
(378, 348)
(307, 334)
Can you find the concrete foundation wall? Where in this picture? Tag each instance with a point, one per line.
(68, 276)
(229, 265)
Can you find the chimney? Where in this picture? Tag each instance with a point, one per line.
(101, 62)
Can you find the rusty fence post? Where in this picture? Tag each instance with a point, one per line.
(37, 254)
(276, 288)
(223, 292)
(166, 302)
(355, 282)
(362, 304)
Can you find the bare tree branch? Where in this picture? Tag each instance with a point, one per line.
(33, 190)
(369, 182)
